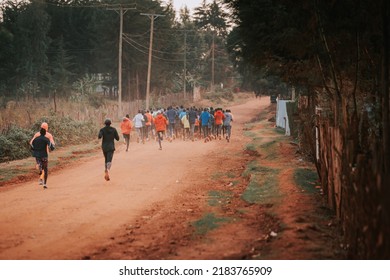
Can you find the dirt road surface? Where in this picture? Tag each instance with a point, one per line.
(150, 206)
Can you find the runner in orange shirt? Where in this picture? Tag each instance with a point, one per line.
(148, 124)
(126, 127)
(219, 117)
(161, 125)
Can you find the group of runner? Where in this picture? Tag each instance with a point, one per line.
(170, 123)
(181, 123)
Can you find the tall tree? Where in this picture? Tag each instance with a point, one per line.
(212, 20)
(33, 24)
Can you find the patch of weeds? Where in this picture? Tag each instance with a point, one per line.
(263, 185)
(217, 175)
(219, 197)
(306, 179)
(249, 126)
(53, 163)
(270, 149)
(250, 147)
(272, 156)
(9, 174)
(250, 134)
(261, 189)
(242, 211)
(254, 167)
(230, 175)
(269, 144)
(280, 130)
(207, 223)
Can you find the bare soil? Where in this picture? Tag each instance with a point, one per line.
(192, 200)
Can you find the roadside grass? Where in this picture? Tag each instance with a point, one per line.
(263, 182)
(219, 197)
(250, 134)
(306, 179)
(220, 175)
(208, 222)
(251, 147)
(263, 185)
(269, 149)
(280, 130)
(24, 169)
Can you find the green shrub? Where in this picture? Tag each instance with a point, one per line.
(67, 131)
(14, 144)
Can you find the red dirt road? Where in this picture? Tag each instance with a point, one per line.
(192, 200)
(80, 210)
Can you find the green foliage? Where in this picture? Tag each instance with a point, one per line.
(217, 97)
(46, 46)
(219, 197)
(207, 223)
(306, 179)
(96, 100)
(263, 185)
(14, 144)
(84, 88)
(67, 131)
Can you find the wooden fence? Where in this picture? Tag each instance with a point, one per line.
(350, 165)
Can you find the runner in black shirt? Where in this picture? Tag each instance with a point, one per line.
(108, 134)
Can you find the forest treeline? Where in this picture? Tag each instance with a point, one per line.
(56, 47)
(336, 55)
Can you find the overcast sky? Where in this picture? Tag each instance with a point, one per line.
(191, 4)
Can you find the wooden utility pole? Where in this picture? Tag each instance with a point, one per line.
(185, 66)
(152, 18)
(212, 62)
(121, 10)
(120, 64)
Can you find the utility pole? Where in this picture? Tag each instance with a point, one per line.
(121, 10)
(152, 18)
(185, 66)
(120, 63)
(212, 62)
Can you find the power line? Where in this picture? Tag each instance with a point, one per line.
(97, 5)
(155, 51)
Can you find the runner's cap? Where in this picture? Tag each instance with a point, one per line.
(45, 126)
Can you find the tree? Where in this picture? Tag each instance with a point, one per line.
(32, 42)
(337, 51)
(212, 20)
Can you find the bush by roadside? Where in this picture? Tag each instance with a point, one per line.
(14, 141)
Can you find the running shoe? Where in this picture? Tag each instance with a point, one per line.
(44, 186)
(40, 182)
(106, 176)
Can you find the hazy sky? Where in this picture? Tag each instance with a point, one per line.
(191, 4)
